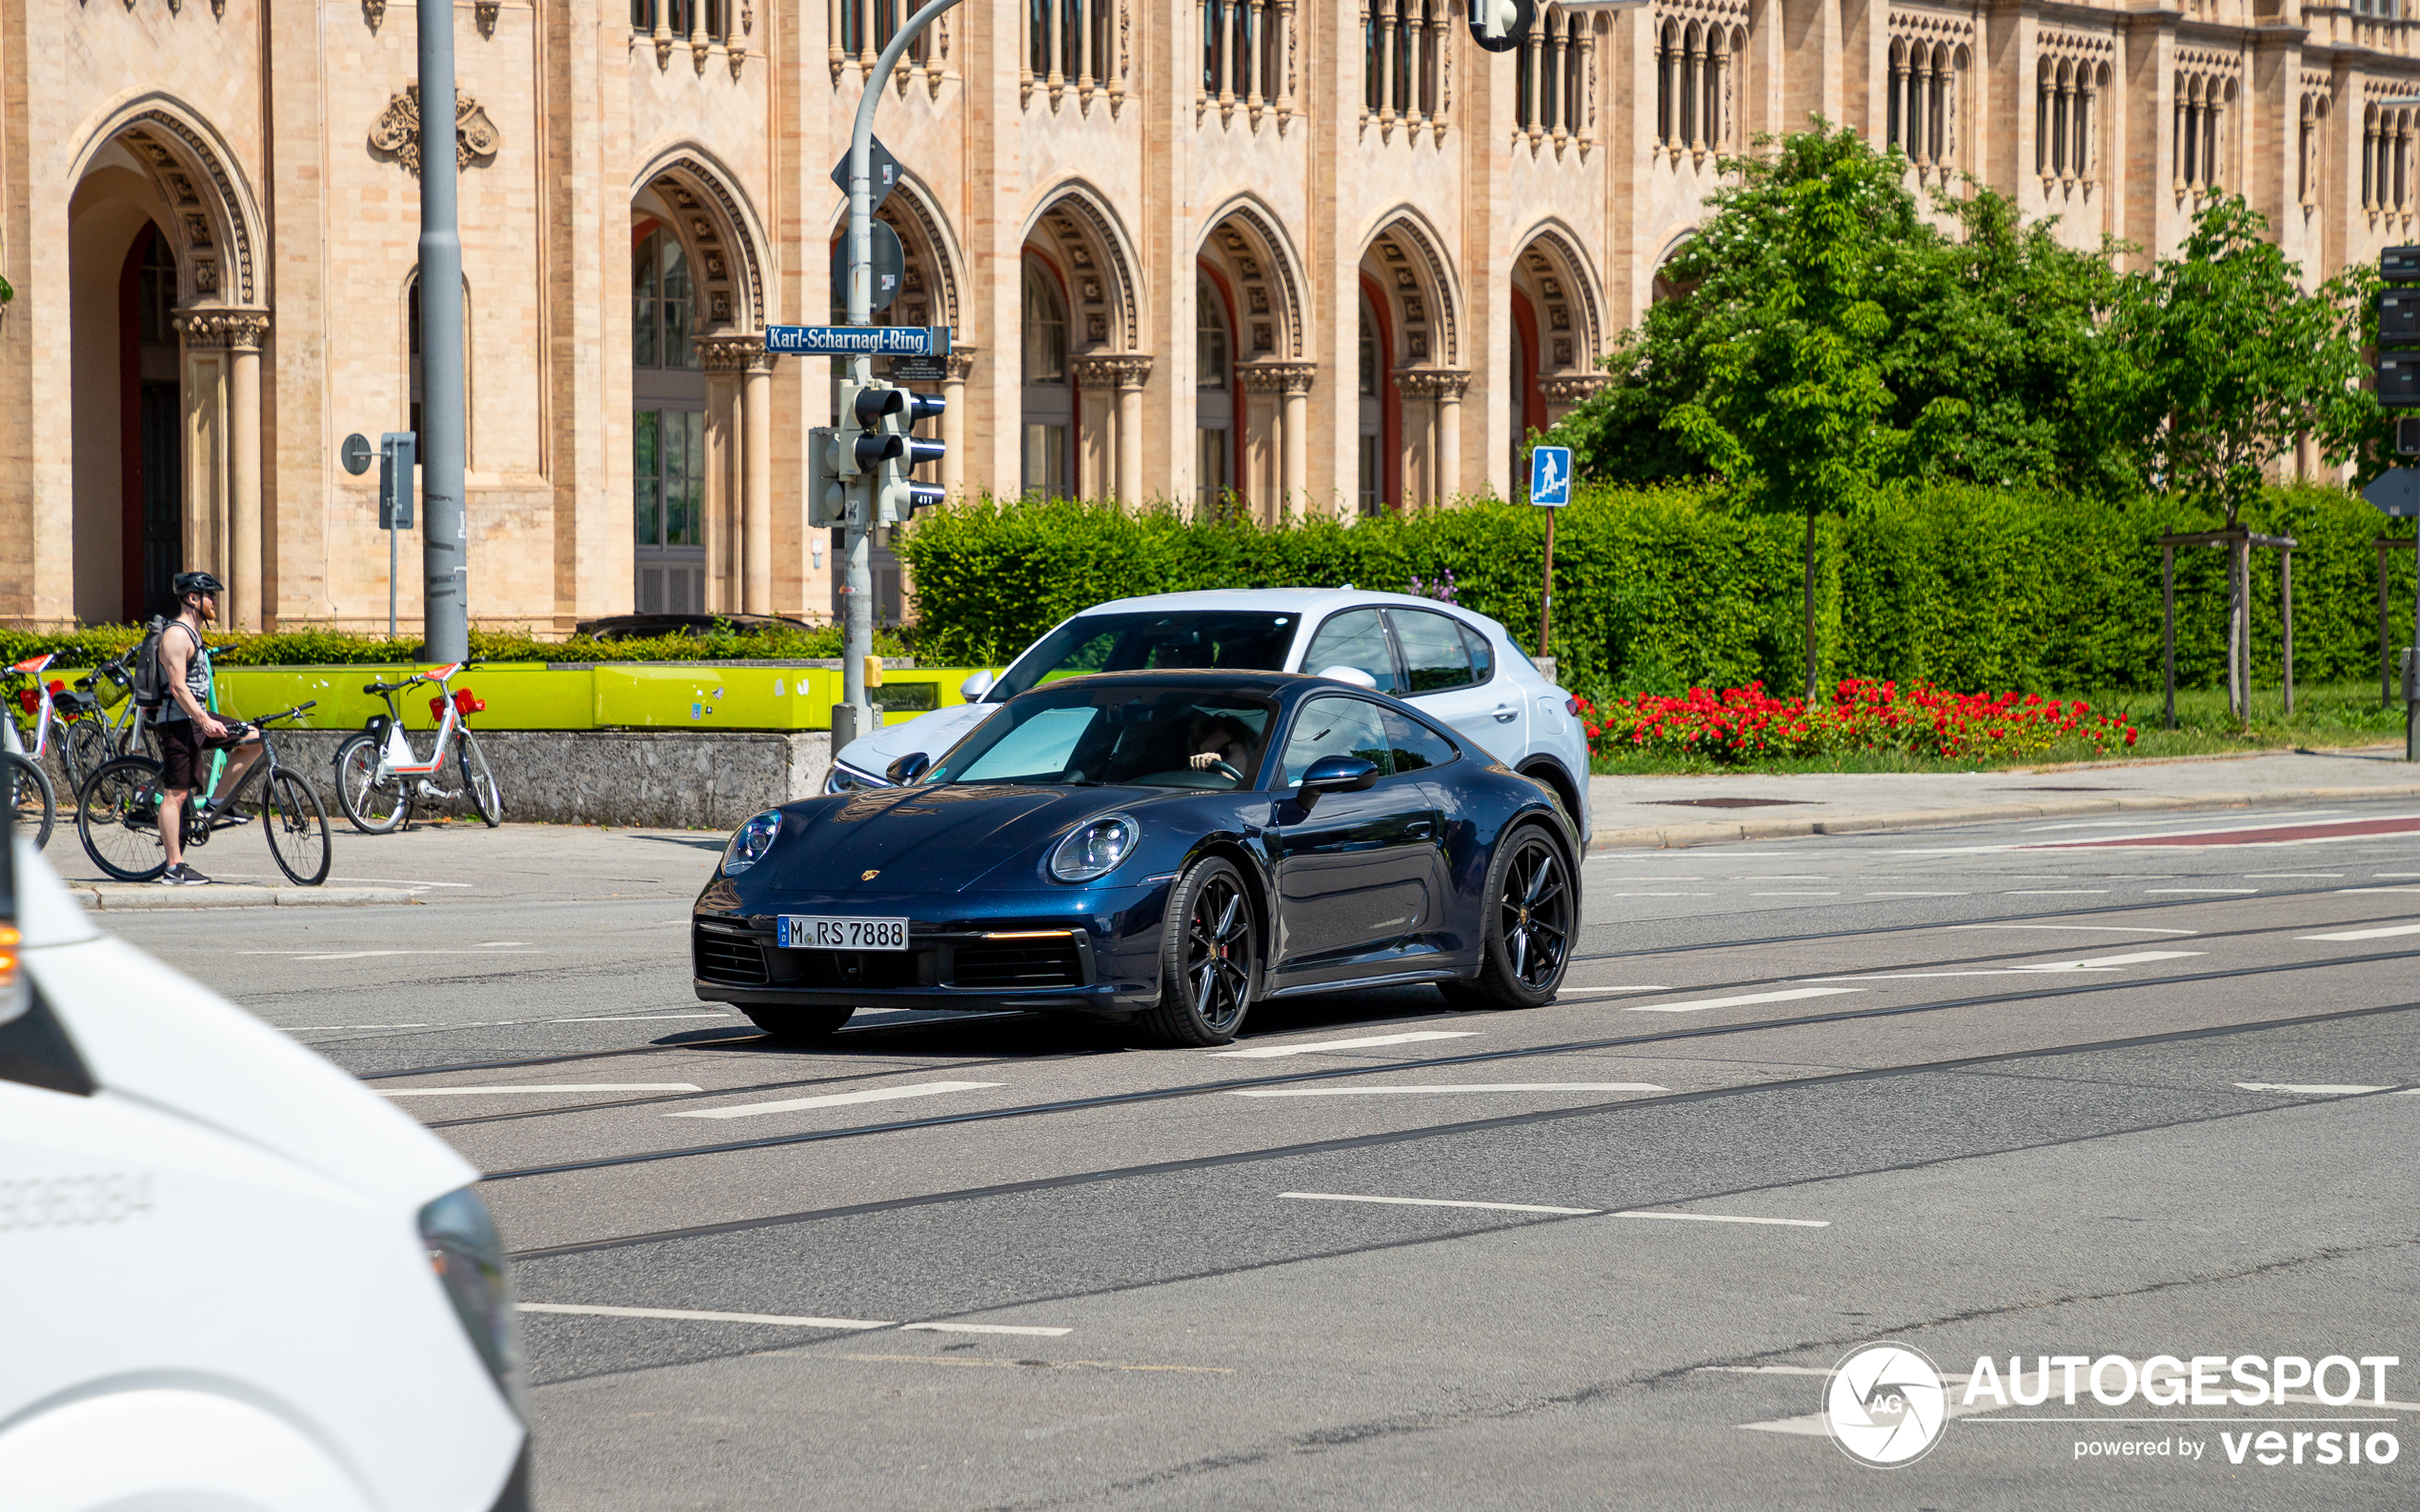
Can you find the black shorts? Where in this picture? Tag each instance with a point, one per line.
(182, 747)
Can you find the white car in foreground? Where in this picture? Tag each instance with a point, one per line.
(232, 1278)
(1458, 666)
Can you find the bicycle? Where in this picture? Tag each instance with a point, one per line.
(25, 787)
(115, 718)
(375, 768)
(69, 712)
(117, 813)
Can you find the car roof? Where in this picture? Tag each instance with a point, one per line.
(1272, 683)
(1304, 601)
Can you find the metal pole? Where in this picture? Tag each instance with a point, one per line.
(392, 560)
(443, 562)
(2167, 625)
(2386, 658)
(2411, 705)
(2285, 612)
(856, 626)
(1546, 594)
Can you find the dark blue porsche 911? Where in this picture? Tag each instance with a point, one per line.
(1166, 847)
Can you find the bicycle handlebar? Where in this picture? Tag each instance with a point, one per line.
(290, 713)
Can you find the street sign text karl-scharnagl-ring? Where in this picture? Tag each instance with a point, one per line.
(858, 341)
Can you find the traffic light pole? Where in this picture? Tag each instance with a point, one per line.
(444, 549)
(856, 714)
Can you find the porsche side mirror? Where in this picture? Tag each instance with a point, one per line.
(907, 768)
(972, 689)
(1335, 774)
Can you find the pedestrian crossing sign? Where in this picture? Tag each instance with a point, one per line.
(1550, 476)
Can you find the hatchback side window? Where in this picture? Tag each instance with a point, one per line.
(1354, 638)
(1483, 656)
(1433, 651)
(1336, 726)
(1414, 744)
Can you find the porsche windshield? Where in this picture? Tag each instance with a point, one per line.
(1119, 734)
(1229, 640)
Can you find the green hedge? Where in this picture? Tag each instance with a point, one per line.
(1660, 589)
(92, 644)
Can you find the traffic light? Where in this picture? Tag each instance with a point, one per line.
(898, 495)
(862, 440)
(827, 497)
(2399, 329)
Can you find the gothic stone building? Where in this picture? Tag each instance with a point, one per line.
(1305, 254)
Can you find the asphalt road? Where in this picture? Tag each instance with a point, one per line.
(2054, 1089)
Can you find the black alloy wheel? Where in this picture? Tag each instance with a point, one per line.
(295, 827)
(26, 789)
(1532, 910)
(1208, 958)
(117, 817)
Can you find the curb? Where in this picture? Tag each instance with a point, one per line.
(1668, 837)
(132, 896)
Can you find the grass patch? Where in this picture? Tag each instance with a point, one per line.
(2326, 715)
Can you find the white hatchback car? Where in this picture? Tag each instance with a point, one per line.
(234, 1276)
(1458, 666)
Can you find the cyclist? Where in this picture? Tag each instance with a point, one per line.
(188, 730)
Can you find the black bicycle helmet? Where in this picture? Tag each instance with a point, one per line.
(198, 583)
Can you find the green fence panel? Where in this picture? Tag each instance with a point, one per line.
(520, 695)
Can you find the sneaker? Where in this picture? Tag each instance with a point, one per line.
(183, 876)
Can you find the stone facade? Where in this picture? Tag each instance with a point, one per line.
(1262, 255)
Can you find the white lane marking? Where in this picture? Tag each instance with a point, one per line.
(2054, 892)
(626, 1018)
(1461, 1086)
(1793, 894)
(1918, 894)
(2395, 874)
(1271, 1052)
(920, 1089)
(2278, 822)
(690, 1316)
(2310, 1090)
(2296, 877)
(357, 955)
(1785, 876)
(2177, 818)
(1439, 1202)
(485, 943)
(560, 1086)
(407, 882)
(2094, 963)
(984, 1328)
(2367, 933)
(313, 1029)
(1659, 894)
(1593, 992)
(2378, 890)
(1791, 994)
(1726, 1217)
(2150, 890)
(2095, 929)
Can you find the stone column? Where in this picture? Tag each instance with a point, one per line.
(954, 369)
(1295, 468)
(1133, 370)
(755, 505)
(1450, 388)
(240, 332)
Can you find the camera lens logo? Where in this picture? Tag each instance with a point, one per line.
(1886, 1405)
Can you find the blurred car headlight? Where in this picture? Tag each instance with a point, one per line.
(468, 1256)
(849, 780)
(749, 842)
(1095, 848)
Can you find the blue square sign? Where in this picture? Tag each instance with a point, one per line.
(1550, 476)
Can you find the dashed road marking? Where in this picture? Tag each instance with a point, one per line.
(834, 1099)
(565, 1086)
(2367, 933)
(1789, 995)
(1455, 1086)
(2311, 1089)
(687, 1315)
(1590, 991)
(1271, 1052)
(1727, 1218)
(984, 1328)
(1439, 1202)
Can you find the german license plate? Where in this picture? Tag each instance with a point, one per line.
(813, 931)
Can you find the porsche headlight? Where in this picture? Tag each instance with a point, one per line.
(1095, 848)
(749, 842)
(468, 1256)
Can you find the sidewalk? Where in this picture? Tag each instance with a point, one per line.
(1674, 811)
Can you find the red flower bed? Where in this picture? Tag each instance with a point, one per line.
(1748, 724)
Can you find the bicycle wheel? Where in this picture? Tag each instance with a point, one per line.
(29, 797)
(83, 746)
(117, 817)
(486, 801)
(373, 806)
(297, 827)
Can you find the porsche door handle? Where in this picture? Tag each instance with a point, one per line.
(1506, 712)
(1418, 829)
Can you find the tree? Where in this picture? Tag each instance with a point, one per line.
(2229, 361)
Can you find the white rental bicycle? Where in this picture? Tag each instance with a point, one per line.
(378, 776)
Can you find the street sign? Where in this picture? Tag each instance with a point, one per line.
(356, 453)
(1550, 476)
(881, 168)
(2396, 491)
(890, 266)
(918, 369)
(1501, 25)
(858, 341)
(399, 454)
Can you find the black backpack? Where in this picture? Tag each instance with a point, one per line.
(150, 682)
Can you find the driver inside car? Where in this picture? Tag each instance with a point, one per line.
(1219, 739)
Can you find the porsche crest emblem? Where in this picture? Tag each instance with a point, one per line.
(868, 876)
